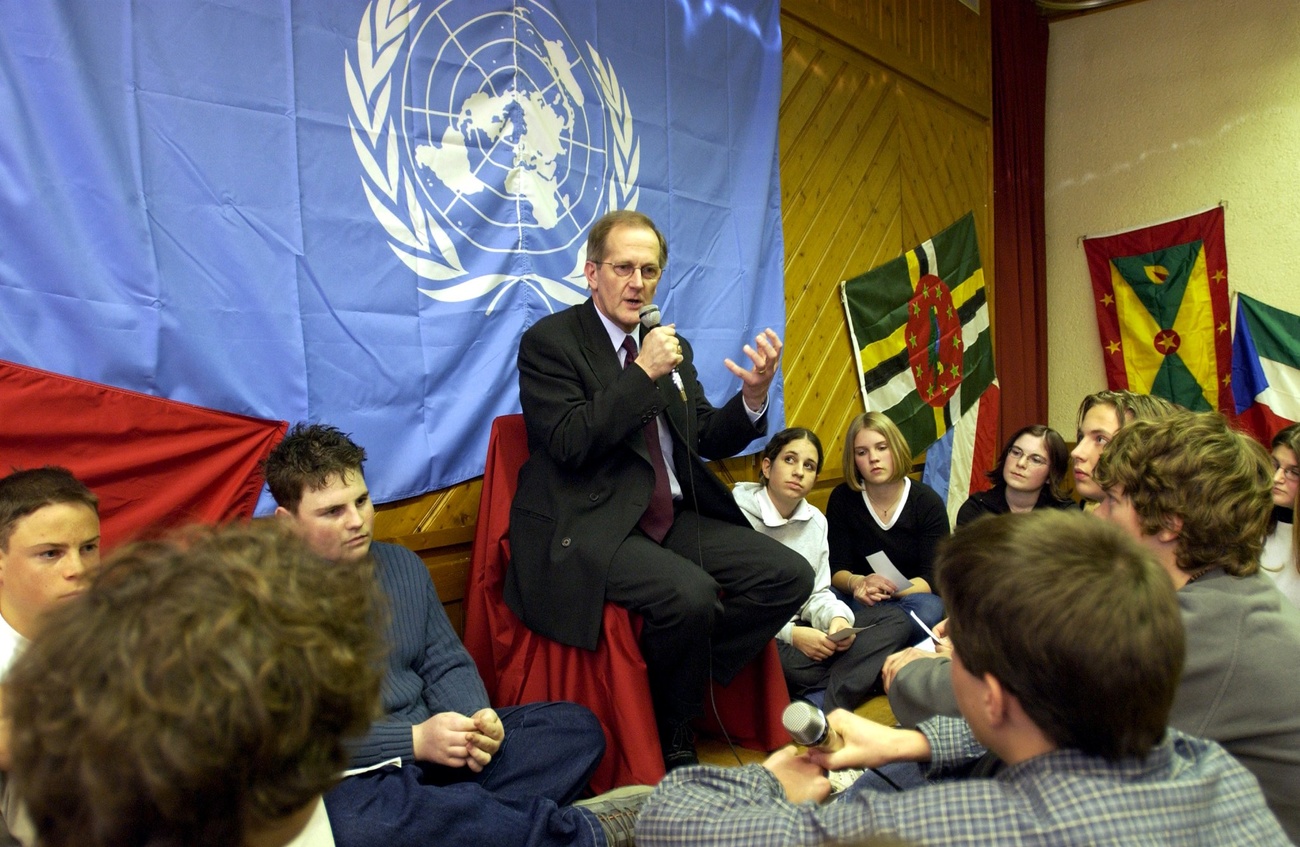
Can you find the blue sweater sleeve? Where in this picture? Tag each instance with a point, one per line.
(428, 670)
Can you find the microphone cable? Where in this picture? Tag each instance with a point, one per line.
(691, 457)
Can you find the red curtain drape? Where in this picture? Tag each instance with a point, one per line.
(154, 463)
(1019, 106)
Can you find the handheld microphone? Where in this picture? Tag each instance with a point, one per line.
(649, 315)
(808, 727)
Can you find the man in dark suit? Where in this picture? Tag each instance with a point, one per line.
(616, 503)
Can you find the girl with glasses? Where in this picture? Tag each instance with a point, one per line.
(1030, 474)
(1281, 556)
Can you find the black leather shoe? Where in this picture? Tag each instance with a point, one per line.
(678, 742)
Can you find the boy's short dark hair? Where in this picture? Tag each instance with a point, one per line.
(308, 457)
(200, 688)
(1072, 617)
(1195, 467)
(24, 492)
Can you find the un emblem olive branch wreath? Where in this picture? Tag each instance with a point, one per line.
(415, 235)
(380, 38)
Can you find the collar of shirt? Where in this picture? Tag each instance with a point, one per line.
(770, 515)
(617, 334)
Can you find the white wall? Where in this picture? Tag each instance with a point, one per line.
(1156, 110)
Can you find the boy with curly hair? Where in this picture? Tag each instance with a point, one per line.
(198, 693)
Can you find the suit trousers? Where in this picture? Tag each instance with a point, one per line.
(710, 597)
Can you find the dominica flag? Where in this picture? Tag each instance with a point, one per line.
(1161, 295)
(1265, 367)
(920, 326)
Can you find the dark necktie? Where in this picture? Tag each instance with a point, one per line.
(658, 515)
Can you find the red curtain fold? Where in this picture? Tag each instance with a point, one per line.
(154, 463)
(1019, 260)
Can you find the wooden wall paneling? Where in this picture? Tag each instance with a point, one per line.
(917, 105)
(449, 508)
(940, 44)
(947, 168)
(867, 238)
(839, 161)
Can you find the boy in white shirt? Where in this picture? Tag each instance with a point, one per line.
(49, 539)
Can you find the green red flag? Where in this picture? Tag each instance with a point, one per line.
(1161, 294)
(920, 327)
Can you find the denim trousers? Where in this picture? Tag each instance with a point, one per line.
(520, 798)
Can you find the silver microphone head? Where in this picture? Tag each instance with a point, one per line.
(805, 722)
(649, 315)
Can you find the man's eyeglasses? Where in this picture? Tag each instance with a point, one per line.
(1015, 454)
(624, 270)
(1291, 472)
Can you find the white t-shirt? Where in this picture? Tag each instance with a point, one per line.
(10, 643)
(317, 832)
(17, 826)
(1278, 563)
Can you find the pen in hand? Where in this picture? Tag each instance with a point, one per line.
(936, 639)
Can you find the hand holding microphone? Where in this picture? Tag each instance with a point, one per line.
(659, 345)
(858, 742)
(808, 727)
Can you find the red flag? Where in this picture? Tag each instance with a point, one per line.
(153, 463)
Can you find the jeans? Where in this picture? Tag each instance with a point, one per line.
(928, 607)
(849, 677)
(549, 753)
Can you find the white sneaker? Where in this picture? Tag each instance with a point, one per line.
(841, 780)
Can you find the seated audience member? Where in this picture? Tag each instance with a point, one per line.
(197, 694)
(49, 539)
(440, 764)
(878, 509)
(1067, 648)
(1030, 474)
(1101, 415)
(917, 681)
(1281, 556)
(846, 669)
(616, 504)
(1197, 494)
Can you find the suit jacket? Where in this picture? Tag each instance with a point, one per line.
(588, 478)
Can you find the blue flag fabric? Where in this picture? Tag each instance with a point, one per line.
(349, 212)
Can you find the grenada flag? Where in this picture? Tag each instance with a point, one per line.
(1162, 310)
